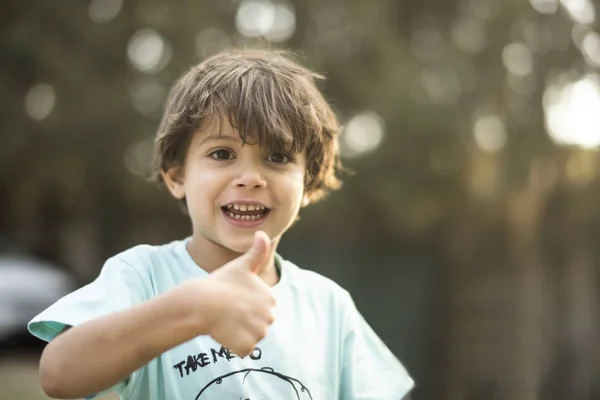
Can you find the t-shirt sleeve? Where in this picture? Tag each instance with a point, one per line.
(118, 287)
(369, 369)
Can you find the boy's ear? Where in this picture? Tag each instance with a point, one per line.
(173, 178)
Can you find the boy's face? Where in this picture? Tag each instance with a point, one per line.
(233, 190)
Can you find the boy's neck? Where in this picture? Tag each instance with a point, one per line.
(210, 256)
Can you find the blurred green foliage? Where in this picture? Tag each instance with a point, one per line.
(468, 236)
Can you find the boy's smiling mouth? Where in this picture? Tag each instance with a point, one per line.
(245, 214)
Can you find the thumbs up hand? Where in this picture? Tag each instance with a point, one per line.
(236, 305)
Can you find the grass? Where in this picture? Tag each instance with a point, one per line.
(19, 380)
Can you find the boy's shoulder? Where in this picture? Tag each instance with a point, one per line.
(147, 256)
(142, 251)
(314, 282)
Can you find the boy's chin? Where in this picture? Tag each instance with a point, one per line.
(239, 245)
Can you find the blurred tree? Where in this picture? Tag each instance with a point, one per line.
(478, 205)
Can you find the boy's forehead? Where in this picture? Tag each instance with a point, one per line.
(218, 127)
(217, 131)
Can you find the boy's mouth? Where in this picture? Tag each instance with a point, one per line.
(245, 212)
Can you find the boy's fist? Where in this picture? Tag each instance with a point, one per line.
(237, 304)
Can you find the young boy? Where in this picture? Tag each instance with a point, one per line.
(245, 141)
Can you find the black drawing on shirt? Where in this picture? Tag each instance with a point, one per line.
(198, 361)
(289, 388)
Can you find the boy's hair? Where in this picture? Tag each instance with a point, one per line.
(268, 98)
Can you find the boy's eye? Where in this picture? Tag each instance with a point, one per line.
(278, 158)
(221, 154)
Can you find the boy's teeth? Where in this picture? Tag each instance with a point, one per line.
(233, 208)
(245, 207)
(244, 217)
(241, 217)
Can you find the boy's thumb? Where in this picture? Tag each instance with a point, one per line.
(257, 254)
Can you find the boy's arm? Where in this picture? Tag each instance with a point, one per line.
(98, 354)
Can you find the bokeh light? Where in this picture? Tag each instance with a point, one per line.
(580, 11)
(40, 101)
(255, 17)
(262, 18)
(489, 133)
(572, 112)
(545, 6)
(284, 25)
(590, 47)
(517, 59)
(148, 51)
(102, 11)
(363, 133)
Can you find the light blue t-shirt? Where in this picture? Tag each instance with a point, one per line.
(318, 348)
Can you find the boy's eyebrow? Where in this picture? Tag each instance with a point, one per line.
(219, 138)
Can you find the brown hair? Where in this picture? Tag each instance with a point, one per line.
(266, 97)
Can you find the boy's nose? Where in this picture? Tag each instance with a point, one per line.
(250, 179)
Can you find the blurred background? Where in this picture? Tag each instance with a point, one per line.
(468, 234)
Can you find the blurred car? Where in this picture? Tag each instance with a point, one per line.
(27, 287)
